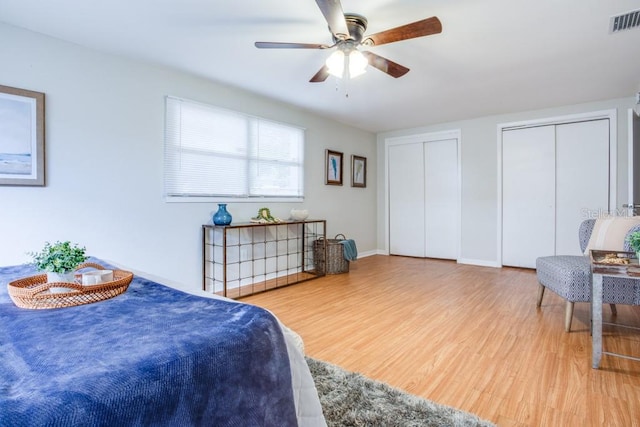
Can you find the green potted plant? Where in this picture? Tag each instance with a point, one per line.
(634, 242)
(59, 260)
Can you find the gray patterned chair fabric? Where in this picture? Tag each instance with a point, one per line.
(569, 276)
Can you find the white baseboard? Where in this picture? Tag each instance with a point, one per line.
(369, 253)
(479, 262)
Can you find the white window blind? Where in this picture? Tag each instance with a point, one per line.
(215, 153)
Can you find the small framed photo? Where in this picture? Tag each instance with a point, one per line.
(358, 171)
(333, 168)
(21, 137)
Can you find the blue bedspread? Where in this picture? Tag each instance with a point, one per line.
(151, 356)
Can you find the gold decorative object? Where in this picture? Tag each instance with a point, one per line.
(265, 217)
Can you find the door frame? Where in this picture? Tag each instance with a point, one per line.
(611, 114)
(631, 117)
(413, 139)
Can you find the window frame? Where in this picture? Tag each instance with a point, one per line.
(251, 120)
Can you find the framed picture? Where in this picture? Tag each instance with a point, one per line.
(21, 137)
(333, 168)
(358, 171)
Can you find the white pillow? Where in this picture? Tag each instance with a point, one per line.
(609, 233)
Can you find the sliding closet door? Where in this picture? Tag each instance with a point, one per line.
(406, 200)
(634, 165)
(528, 196)
(582, 179)
(423, 199)
(441, 199)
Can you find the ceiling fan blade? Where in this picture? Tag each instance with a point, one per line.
(278, 45)
(332, 11)
(321, 75)
(426, 27)
(385, 65)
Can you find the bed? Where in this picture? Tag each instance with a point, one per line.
(151, 356)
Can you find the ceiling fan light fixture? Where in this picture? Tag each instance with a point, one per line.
(349, 61)
(357, 64)
(335, 63)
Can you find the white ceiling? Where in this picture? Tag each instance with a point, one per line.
(493, 56)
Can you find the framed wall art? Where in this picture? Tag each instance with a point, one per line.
(333, 168)
(21, 137)
(358, 171)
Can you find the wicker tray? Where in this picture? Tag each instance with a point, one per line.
(33, 292)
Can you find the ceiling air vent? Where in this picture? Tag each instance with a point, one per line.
(625, 21)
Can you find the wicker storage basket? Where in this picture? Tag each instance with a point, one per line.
(335, 262)
(33, 292)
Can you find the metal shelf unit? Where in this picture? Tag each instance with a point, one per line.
(247, 258)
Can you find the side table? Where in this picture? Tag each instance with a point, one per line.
(610, 264)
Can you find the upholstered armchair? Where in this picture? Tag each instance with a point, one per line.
(569, 276)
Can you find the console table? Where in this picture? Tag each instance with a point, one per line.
(599, 269)
(246, 258)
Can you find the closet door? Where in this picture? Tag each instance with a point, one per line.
(582, 179)
(528, 195)
(441, 199)
(406, 200)
(634, 165)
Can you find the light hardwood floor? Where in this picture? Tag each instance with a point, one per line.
(469, 337)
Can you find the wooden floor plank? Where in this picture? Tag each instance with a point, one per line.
(466, 336)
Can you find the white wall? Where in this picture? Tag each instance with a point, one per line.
(104, 162)
(479, 172)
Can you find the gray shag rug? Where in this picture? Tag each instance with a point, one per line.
(351, 399)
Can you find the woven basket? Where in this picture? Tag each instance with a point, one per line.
(335, 262)
(33, 292)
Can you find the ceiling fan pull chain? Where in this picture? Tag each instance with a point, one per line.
(345, 82)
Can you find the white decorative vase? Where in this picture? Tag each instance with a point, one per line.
(69, 277)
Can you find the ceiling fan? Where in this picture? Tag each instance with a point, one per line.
(348, 34)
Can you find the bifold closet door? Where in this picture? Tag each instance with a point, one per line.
(582, 179)
(528, 195)
(406, 200)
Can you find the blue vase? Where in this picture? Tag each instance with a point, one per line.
(222, 217)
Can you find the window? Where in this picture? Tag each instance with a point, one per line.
(215, 153)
